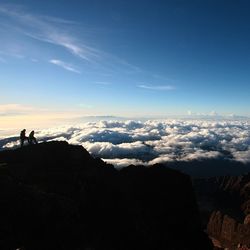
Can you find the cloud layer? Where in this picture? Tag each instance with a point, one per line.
(134, 142)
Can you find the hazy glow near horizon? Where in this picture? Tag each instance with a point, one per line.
(68, 59)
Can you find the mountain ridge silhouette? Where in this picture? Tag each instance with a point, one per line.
(57, 196)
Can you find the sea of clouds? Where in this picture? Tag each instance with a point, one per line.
(154, 141)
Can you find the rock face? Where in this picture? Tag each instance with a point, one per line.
(229, 199)
(56, 196)
(228, 231)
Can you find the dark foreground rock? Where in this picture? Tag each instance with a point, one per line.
(56, 196)
(225, 201)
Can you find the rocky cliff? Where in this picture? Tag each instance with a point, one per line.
(229, 209)
(56, 196)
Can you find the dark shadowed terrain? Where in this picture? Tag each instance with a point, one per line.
(225, 206)
(56, 196)
(208, 168)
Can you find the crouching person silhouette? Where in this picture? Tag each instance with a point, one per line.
(23, 137)
(32, 139)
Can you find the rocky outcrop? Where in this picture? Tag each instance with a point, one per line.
(56, 196)
(229, 211)
(228, 231)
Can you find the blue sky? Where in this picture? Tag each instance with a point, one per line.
(125, 58)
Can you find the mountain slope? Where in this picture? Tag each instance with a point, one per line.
(56, 196)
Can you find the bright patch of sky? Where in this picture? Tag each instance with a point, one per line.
(125, 58)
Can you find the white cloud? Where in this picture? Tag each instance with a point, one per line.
(134, 142)
(156, 87)
(243, 156)
(119, 163)
(64, 65)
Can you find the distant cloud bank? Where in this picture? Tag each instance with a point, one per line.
(133, 142)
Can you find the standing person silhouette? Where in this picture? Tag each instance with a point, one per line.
(23, 137)
(32, 139)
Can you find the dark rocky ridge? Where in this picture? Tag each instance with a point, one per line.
(56, 196)
(225, 203)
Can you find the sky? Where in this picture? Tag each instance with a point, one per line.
(64, 59)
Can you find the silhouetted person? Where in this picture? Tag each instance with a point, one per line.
(32, 139)
(23, 137)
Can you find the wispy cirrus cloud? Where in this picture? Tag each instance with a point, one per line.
(62, 33)
(47, 29)
(64, 65)
(156, 87)
(13, 52)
